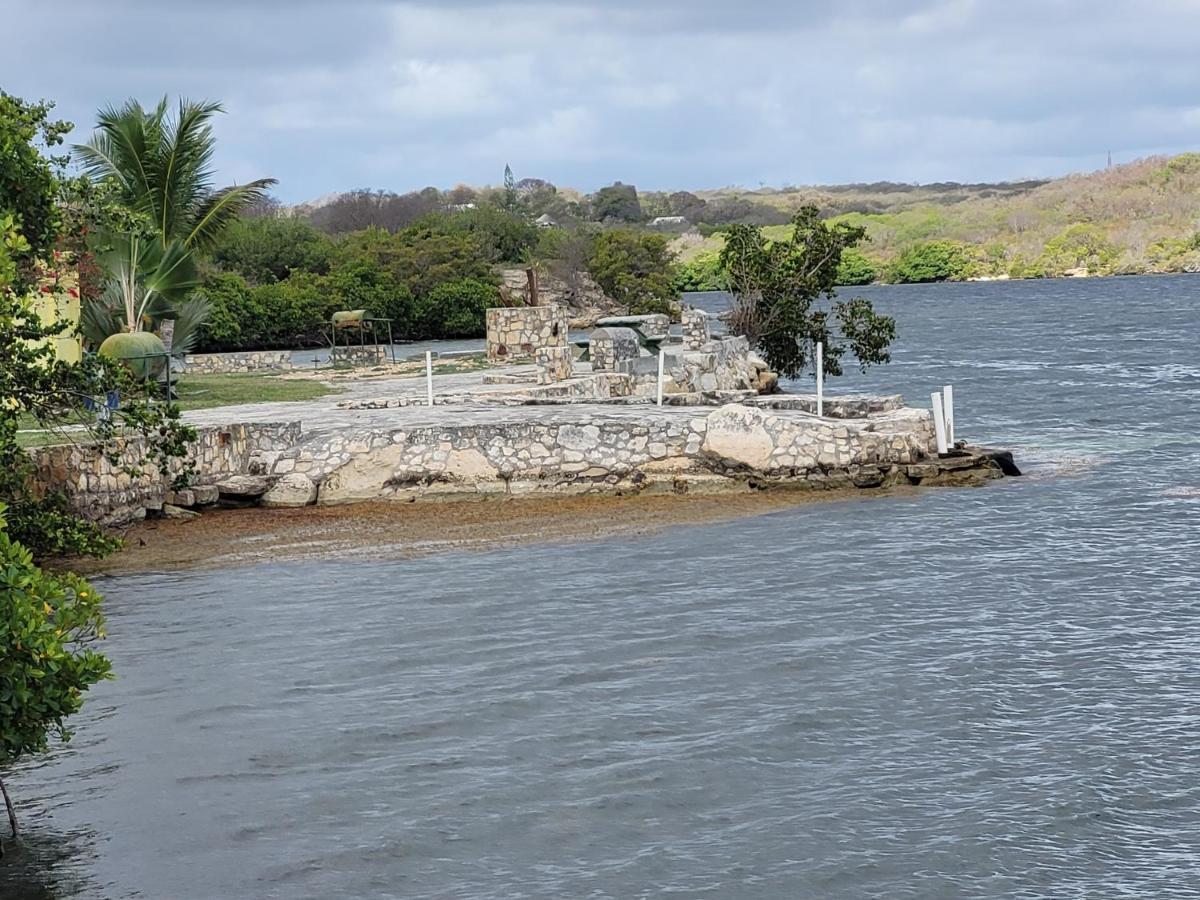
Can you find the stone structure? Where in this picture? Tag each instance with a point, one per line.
(105, 491)
(245, 361)
(582, 301)
(609, 347)
(696, 332)
(651, 325)
(553, 364)
(516, 333)
(360, 355)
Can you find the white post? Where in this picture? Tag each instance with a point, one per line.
(939, 422)
(948, 406)
(429, 377)
(820, 379)
(661, 354)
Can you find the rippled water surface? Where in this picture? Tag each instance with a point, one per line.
(987, 692)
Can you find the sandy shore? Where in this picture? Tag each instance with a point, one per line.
(381, 530)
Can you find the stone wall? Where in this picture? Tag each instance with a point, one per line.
(245, 361)
(696, 331)
(517, 333)
(104, 491)
(727, 448)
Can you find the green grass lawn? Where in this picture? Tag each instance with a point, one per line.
(207, 391)
(195, 392)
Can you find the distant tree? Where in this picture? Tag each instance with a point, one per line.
(686, 204)
(461, 195)
(636, 270)
(855, 268)
(505, 236)
(509, 200)
(269, 249)
(457, 308)
(700, 274)
(617, 202)
(1080, 246)
(565, 253)
(931, 261)
(421, 257)
(778, 287)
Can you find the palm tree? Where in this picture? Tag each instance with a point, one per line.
(162, 170)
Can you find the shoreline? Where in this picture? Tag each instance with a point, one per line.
(376, 531)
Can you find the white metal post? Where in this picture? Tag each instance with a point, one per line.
(429, 377)
(820, 379)
(661, 355)
(948, 406)
(939, 422)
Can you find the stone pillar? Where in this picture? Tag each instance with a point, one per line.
(553, 364)
(695, 328)
(609, 346)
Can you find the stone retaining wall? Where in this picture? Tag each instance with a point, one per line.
(728, 448)
(246, 361)
(106, 492)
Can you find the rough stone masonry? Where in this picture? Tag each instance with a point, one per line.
(473, 451)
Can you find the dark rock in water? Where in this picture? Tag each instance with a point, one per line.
(1004, 459)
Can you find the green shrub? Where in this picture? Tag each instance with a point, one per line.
(455, 309)
(931, 261)
(1080, 246)
(636, 270)
(855, 268)
(233, 322)
(270, 249)
(700, 274)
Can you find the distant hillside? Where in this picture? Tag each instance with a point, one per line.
(1143, 216)
(1140, 217)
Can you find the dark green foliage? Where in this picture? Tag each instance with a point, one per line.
(29, 181)
(271, 248)
(700, 274)
(931, 261)
(617, 202)
(47, 623)
(503, 235)
(455, 309)
(635, 269)
(778, 286)
(855, 268)
(420, 257)
(234, 321)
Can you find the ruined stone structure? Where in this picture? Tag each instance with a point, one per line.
(696, 331)
(515, 334)
(554, 364)
(608, 347)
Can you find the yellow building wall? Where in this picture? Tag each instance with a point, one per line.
(57, 300)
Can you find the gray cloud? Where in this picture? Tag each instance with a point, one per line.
(333, 95)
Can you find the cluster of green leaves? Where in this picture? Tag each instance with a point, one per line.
(855, 268)
(433, 279)
(1080, 246)
(636, 269)
(932, 261)
(701, 273)
(47, 624)
(779, 285)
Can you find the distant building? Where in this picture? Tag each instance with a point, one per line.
(544, 221)
(669, 222)
(461, 207)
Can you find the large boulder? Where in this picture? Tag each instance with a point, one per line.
(738, 435)
(293, 489)
(243, 487)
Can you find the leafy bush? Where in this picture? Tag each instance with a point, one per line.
(636, 270)
(455, 309)
(855, 268)
(503, 235)
(295, 312)
(931, 261)
(420, 257)
(1080, 246)
(234, 320)
(270, 249)
(700, 274)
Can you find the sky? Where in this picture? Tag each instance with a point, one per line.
(333, 95)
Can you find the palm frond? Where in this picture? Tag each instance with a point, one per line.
(222, 207)
(184, 166)
(189, 316)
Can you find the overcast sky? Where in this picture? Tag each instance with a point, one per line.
(339, 94)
